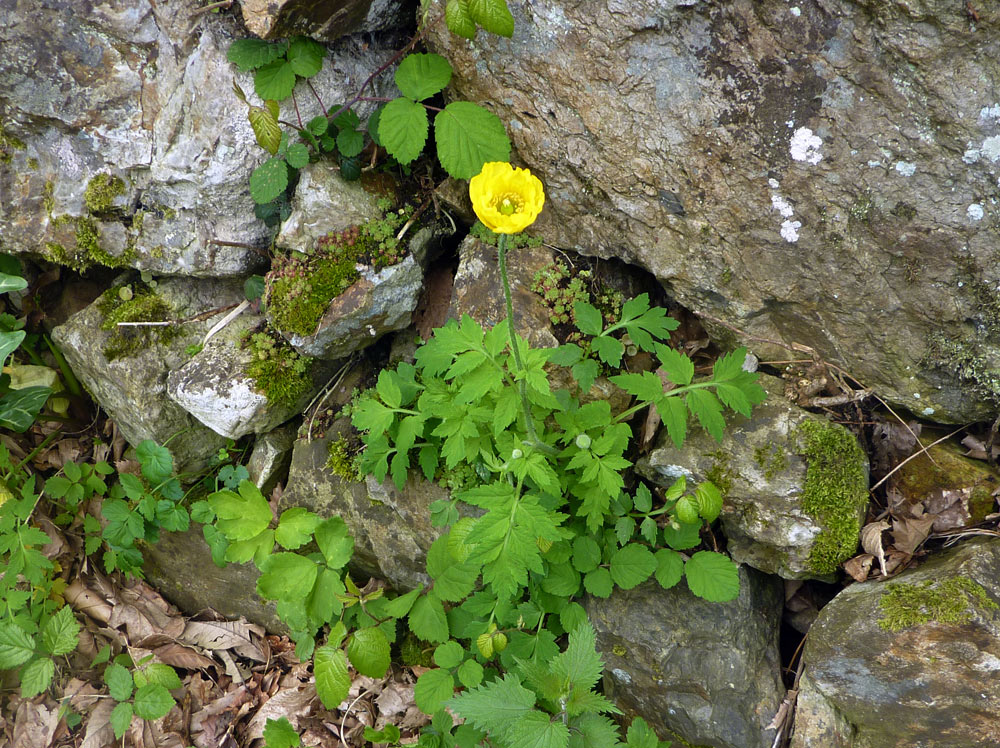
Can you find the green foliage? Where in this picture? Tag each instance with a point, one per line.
(18, 407)
(282, 374)
(143, 692)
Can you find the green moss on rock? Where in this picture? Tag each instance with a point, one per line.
(280, 373)
(951, 601)
(8, 144)
(101, 191)
(835, 490)
(134, 304)
(340, 461)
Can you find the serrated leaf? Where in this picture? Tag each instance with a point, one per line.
(632, 565)
(265, 128)
(467, 137)
(16, 646)
(712, 576)
(248, 54)
(433, 689)
(402, 129)
(470, 673)
(678, 367)
(332, 680)
(61, 632)
(586, 554)
(279, 733)
(350, 142)
(539, 730)
(456, 15)
(686, 510)
(400, 606)
(572, 616)
(493, 16)
(687, 536)
(598, 582)
(420, 76)
(608, 349)
(274, 80)
(157, 672)
(585, 373)
(335, 542)
(707, 408)
(121, 718)
(119, 681)
(496, 706)
(641, 735)
(296, 527)
(709, 501)
(645, 386)
(561, 580)
(368, 651)
(297, 155)
(449, 654)
(287, 576)
(674, 415)
(269, 180)
(36, 677)
(593, 731)
(243, 515)
(318, 125)
(152, 701)
(305, 57)
(588, 320)
(428, 620)
(669, 567)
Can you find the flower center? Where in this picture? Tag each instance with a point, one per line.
(509, 204)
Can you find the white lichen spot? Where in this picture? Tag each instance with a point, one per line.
(906, 168)
(928, 411)
(971, 155)
(991, 148)
(773, 183)
(675, 471)
(975, 212)
(916, 395)
(371, 331)
(990, 112)
(874, 164)
(987, 663)
(805, 146)
(796, 11)
(621, 675)
(790, 123)
(790, 230)
(781, 205)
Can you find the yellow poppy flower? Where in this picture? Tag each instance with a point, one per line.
(506, 200)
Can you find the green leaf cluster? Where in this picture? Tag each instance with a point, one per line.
(464, 17)
(142, 692)
(18, 407)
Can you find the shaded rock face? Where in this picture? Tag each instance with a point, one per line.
(708, 672)
(133, 388)
(322, 19)
(914, 661)
(123, 141)
(796, 171)
(777, 516)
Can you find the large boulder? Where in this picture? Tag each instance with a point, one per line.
(913, 661)
(795, 170)
(123, 138)
(706, 672)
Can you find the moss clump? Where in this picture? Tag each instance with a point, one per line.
(101, 192)
(720, 475)
(33, 163)
(414, 651)
(300, 287)
(128, 304)
(771, 459)
(277, 370)
(88, 246)
(951, 601)
(9, 144)
(863, 207)
(340, 461)
(836, 488)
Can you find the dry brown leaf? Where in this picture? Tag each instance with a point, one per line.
(34, 725)
(99, 732)
(81, 694)
(871, 541)
(235, 635)
(395, 699)
(859, 566)
(292, 703)
(909, 532)
(951, 508)
(87, 601)
(784, 713)
(180, 656)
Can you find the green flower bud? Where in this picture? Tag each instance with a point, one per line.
(583, 441)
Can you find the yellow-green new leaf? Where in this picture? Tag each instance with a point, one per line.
(265, 128)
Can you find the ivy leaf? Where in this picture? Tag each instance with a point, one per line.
(402, 128)
(712, 576)
(19, 408)
(152, 701)
(16, 646)
(121, 718)
(456, 15)
(297, 155)
(295, 528)
(287, 576)
(433, 689)
(493, 16)
(669, 567)
(427, 619)
(269, 180)
(632, 565)
(422, 75)
(274, 80)
(368, 650)
(36, 676)
(249, 54)
(265, 128)
(467, 137)
(305, 58)
(332, 680)
(61, 632)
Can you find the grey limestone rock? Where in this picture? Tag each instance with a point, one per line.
(327, 20)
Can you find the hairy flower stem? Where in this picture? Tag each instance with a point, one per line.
(522, 385)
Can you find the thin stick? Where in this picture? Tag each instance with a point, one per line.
(205, 8)
(193, 318)
(916, 454)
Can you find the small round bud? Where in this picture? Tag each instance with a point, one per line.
(517, 454)
(583, 441)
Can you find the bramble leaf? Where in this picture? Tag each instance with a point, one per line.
(36, 677)
(433, 689)
(632, 565)
(709, 501)
(287, 576)
(332, 680)
(265, 128)
(121, 718)
(269, 180)
(669, 567)
(297, 155)
(119, 681)
(61, 632)
(275, 80)
(305, 58)
(467, 136)
(712, 576)
(249, 54)
(279, 733)
(420, 76)
(493, 16)
(456, 15)
(598, 582)
(368, 650)
(402, 129)
(152, 701)
(16, 646)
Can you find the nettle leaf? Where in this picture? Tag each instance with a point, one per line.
(295, 528)
(61, 632)
(265, 128)
(297, 155)
(305, 57)
(16, 646)
(467, 137)
(243, 515)
(269, 180)
(712, 576)
(422, 75)
(460, 23)
(493, 16)
(36, 677)
(594, 731)
(641, 735)
(332, 680)
(368, 650)
(152, 701)
(275, 80)
(669, 567)
(249, 54)
(287, 576)
(433, 689)
(632, 565)
(496, 706)
(279, 733)
(402, 128)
